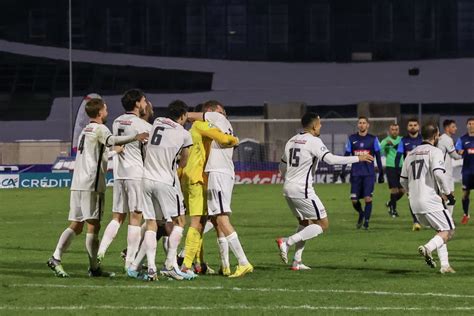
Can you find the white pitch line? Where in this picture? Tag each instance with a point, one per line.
(232, 307)
(240, 289)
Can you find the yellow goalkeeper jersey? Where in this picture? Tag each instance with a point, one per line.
(203, 133)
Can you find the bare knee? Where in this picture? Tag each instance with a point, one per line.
(119, 217)
(368, 199)
(179, 221)
(77, 227)
(93, 226)
(135, 218)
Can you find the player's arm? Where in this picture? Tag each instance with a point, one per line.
(224, 140)
(439, 171)
(400, 153)
(115, 151)
(459, 147)
(378, 158)
(404, 177)
(183, 157)
(283, 164)
(347, 152)
(105, 137)
(323, 154)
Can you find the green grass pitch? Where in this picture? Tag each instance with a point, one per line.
(353, 271)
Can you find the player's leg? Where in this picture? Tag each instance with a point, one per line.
(195, 208)
(134, 193)
(466, 189)
(223, 246)
(367, 193)
(356, 189)
(65, 240)
(119, 213)
(442, 222)
(313, 219)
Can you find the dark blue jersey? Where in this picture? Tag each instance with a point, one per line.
(466, 143)
(358, 145)
(408, 143)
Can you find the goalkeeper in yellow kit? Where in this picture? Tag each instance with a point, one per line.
(194, 182)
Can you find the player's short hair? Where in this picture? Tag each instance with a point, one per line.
(413, 120)
(363, 118)
(394, 124)
(308, 119)
(130, 97)
(211, 104)
(448, 122)
(93, 107)
(198, 107)
(176, 109)
(428, 131)
(469, 120)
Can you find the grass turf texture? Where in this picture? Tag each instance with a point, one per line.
(354, 271)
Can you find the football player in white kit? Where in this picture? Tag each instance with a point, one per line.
(446, 144)
(298, 165)
(88, 186)
(163, 197)
(128, 172)
(221, 177)
(424, 179)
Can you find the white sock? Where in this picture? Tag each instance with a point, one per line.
(92, 246)
(133, 243)
(139, 257)
(223, 251)
(63, 243)
(143, 230)
(165, 244)
(443, 255)
(306, 233)
(173, 244)
(109, 235)
(451, 209)
(150, 248)
(299, 246)
(236, 247)
(434, 243)
(209, 226)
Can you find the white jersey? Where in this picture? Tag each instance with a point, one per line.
(446, 144)
(164, 145)
(302, 155)
(129, 163)
(418, 168)
(220, 158)
(91, 159)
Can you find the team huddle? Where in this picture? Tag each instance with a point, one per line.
(164, 172)
(156, 166)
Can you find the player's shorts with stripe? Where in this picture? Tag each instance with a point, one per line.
(219, 193)
(307, 208)
(128, 196)
(439, 220)
(162, 201)
(467, 181)
(362, 186)
(393, 178)
(85, 205)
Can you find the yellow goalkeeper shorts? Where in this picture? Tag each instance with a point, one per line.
(195, 199)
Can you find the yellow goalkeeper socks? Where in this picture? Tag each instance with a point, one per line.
(192, 245)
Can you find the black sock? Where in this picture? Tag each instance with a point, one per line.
(368, 211)
(465, 206)
(358, 207)
(399, 195)
(393, 200)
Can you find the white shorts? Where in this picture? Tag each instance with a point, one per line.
(439, 220)
(310, 208)
(128, 196)
(219, 193)
(84, 205)
(162, 201)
